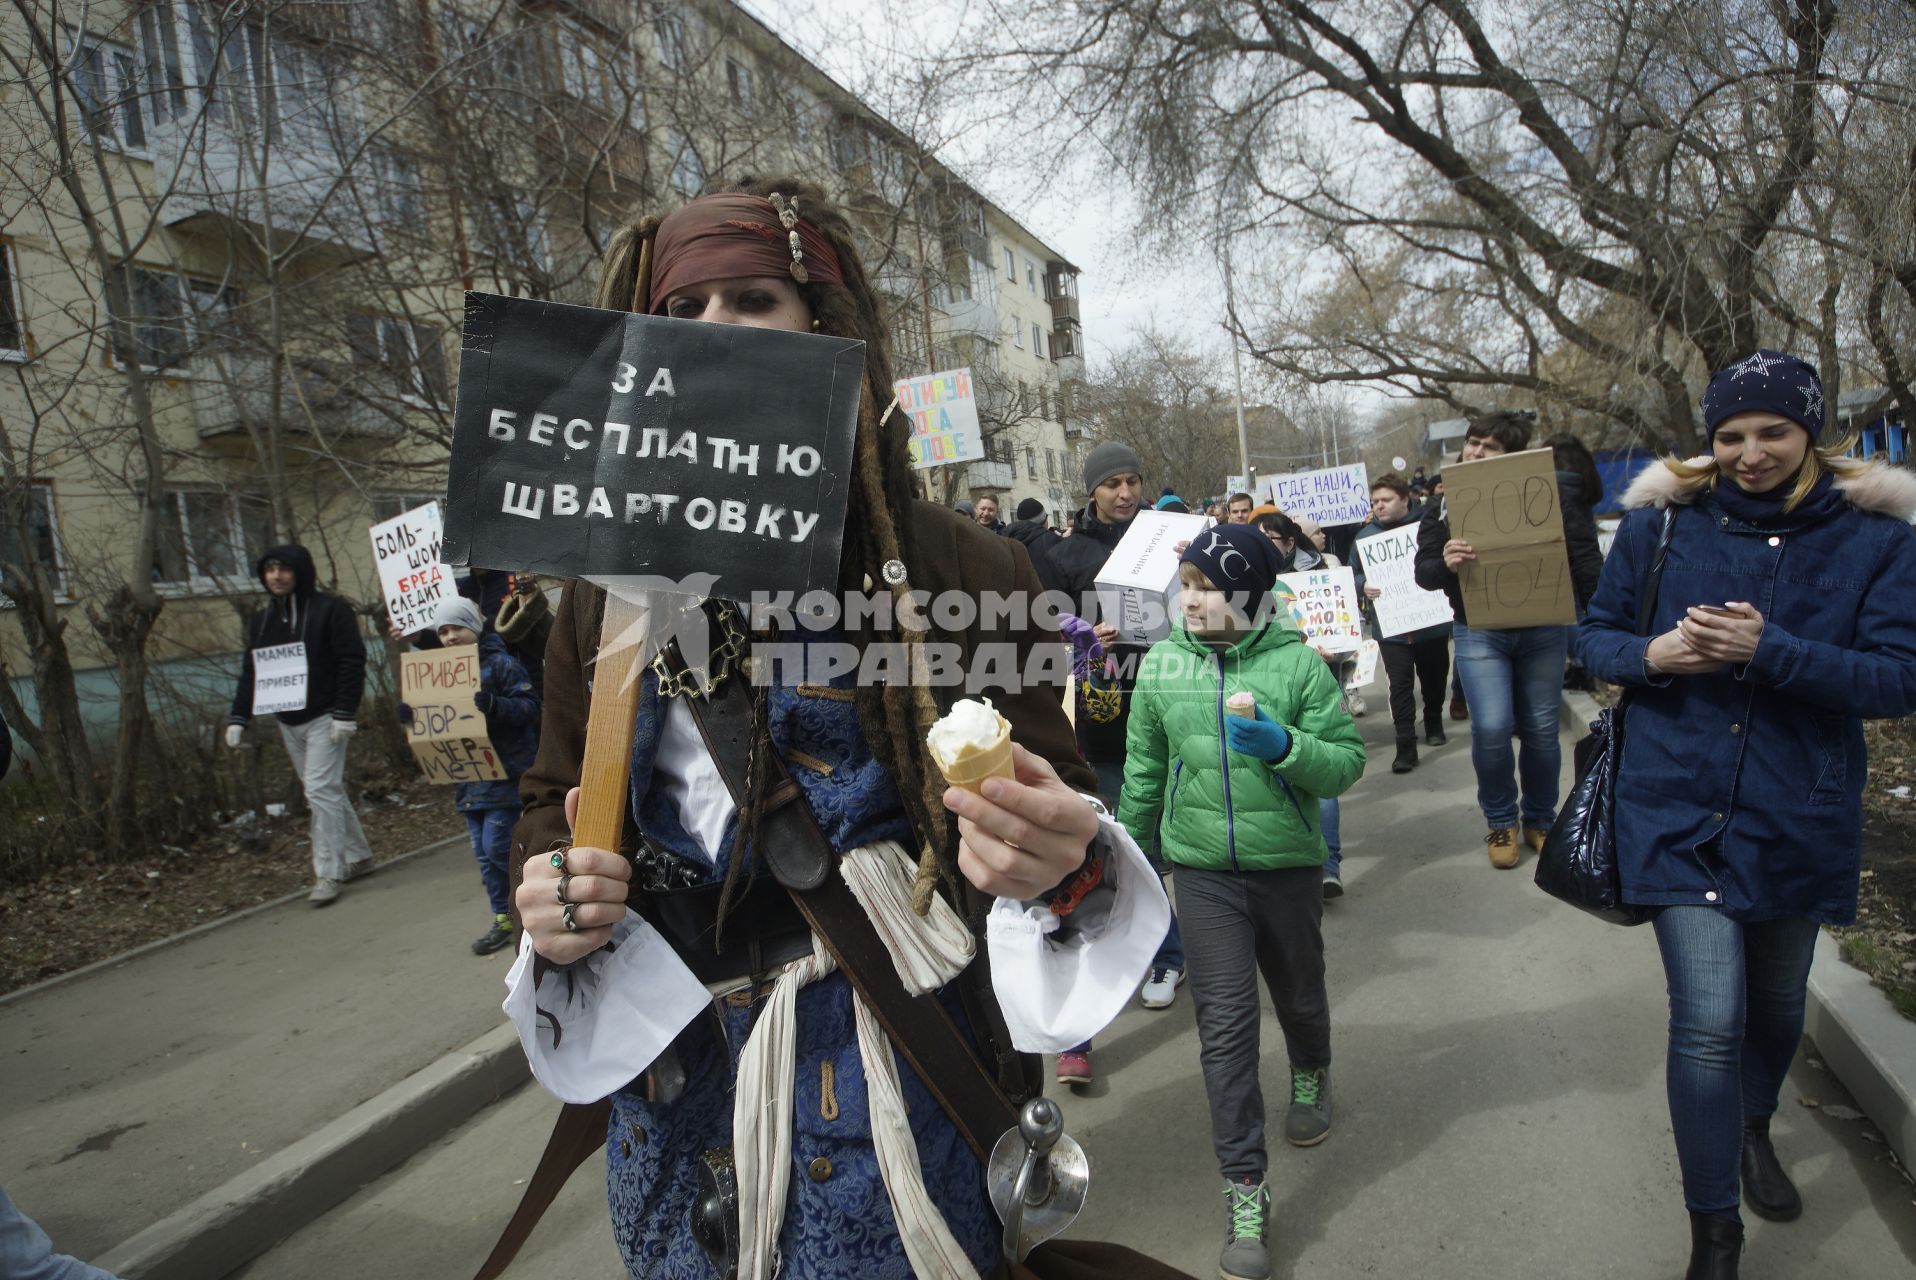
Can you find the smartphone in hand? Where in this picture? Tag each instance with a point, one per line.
(1720, 610)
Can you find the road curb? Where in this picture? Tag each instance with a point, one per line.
(249, 1214)
(1868, 1044)
(1864, 1040)
(172, 939)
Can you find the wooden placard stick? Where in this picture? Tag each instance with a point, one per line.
(607, 766)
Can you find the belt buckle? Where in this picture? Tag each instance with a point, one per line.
(715, 1211)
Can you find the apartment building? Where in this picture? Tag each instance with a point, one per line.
(235, 238)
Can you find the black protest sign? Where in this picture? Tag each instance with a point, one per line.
(592, 443)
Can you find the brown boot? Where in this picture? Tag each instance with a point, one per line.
(1503, 847)
(1535, 836)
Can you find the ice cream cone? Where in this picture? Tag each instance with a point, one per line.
(1242, 704)
(971, 766)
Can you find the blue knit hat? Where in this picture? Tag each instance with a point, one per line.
(1240, 560)
(1766, 382)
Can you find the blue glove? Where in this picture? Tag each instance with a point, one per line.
(1263, 738)
(482, 701)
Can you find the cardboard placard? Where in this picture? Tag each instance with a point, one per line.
(944, 418)
(1331, 496)
(447, 733)
(279, 678)
(1138, 586)
(601, 444)
(406, 550)
(1506, 508)
(1390, 565)
(1323, 604)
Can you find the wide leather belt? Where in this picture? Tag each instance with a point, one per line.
(763, 929)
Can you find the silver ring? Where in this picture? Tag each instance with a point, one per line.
(564, 879)
(571, 925)
(558, 859)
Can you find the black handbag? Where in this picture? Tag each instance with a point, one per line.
(1578, 863)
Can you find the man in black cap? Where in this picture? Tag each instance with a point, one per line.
(1033, 529)
(1115, 481)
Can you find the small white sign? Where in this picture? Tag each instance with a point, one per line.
(943, 409)
(406, 549)
(1332, 496)
(1390, 566)
(1323, 604)
(1366, 669)
(279, 678)
(1138, 586)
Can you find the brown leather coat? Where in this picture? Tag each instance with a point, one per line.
(953, 554)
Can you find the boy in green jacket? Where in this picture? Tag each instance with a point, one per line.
(1235, 732)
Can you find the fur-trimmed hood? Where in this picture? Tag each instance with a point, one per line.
(1869, 486)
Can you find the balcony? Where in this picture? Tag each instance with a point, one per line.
(232, 393)
(990, 475)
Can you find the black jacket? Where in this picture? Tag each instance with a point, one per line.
(1071, 566)
(1037, 538)
(335, 653)
(1579, 537)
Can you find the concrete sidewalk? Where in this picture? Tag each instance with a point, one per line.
(132, 1090)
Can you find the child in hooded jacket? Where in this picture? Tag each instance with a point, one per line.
(1236, 731)
(511, 707)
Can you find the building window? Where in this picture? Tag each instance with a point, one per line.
(738, 82)
(670, 31)
(1051, 465)
(515, 234)
(413, 354)
(397, 194)
(688, 171)
(42, 542)
(1037, 339)
(1011, 267)
(13, 312)
(1031, 275)
(1031, 463)
(209, 538)
(1017, 333)
(106, 79)
(171, 317)
(388, 505)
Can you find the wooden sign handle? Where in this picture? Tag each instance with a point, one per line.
(608, 730)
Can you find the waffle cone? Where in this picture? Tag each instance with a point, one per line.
(970, 767)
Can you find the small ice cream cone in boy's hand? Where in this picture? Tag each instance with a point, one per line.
(1242, 704)
(971, 743)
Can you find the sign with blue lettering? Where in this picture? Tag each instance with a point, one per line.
(1332, 496)
(590, 443)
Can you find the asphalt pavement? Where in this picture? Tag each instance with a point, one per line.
(1498, 1085)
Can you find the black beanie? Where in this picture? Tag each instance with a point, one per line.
(1107, 460)
(1029, 509)
(1766, 382)
(1240, 561)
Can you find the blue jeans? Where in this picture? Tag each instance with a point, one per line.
(1327, 818)
(1736, 1016)
(491, 832)
(1513, 681)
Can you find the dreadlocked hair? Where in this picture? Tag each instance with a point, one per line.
(895, 717)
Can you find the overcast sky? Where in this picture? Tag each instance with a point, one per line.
(1085, 214)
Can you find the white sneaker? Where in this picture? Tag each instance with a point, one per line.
(1358, 705)
(1160, 988)
(324, 891)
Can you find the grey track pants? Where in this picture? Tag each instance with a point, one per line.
(1235, 926)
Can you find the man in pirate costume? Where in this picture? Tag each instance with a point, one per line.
(845, 1158)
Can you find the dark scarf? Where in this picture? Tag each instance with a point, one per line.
(1765, 510)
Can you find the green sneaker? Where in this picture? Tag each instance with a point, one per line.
(1309, 1120)
(1245, 1255)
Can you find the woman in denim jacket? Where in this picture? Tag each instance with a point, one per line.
(1786, 615)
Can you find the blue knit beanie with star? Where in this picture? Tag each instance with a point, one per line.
(1766, 382)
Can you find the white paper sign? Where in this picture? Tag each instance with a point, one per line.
(406, 549)
(943, 410)
(1335, 495)
(1366, 669)
(1138, 586)
(279, 679)
(1236, 484)
(1323, 604)
(1390, 566)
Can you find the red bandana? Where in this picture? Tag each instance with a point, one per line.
(724, 237)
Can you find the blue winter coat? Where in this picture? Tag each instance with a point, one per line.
(512, 722)
(1742, 789)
